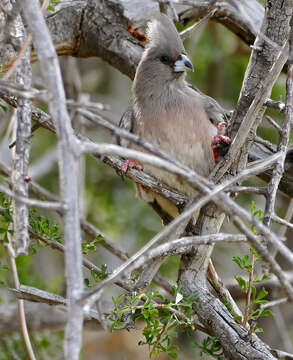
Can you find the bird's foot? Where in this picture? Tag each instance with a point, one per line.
(219, 140)
(132, 164)
(220, 146)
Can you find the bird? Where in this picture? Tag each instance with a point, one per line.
(172, 115)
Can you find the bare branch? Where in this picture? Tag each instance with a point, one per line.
(31, 293)
(273, 123)
(263, 69)
(21, 152)
(53, 205)
(24, 328)
(281, 221)
(68, 167)
(185, 34)
(185, 244)
(284, 141)
(279, 105)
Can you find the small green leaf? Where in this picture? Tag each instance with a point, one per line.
(242, 283)
(173, 355)
(262, 293)
(238, 318)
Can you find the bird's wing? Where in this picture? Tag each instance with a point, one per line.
(126, 122)
(215, 112)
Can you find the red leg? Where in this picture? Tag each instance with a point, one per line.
(131, 164)
(220, 140)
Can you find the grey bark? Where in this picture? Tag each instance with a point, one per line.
(68, 166)
(22, 149)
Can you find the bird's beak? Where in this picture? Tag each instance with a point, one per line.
(182, 64)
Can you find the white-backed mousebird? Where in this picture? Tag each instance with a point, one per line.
(170, 114)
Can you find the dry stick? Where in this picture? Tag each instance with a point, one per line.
(21, 153)
(259, 190)
(279, 105)
(284, 141)
(284, 222)
(273, 123)
(68, 167)
(274, 303)
(20, 302)
(264, 142)
(187, 32)
(184, 244)
(52, 205)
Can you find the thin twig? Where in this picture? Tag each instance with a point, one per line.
(53, 205)
(187, 32)
(264, 142)
(20, 302)
(284, 222)
(274, 123)
(274, 303)
(279, 105)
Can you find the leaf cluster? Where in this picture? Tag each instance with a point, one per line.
(161, 317)
(210, 346)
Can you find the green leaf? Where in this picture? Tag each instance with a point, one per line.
(87, 282)
(238, 318)
(51, 8)
(173, 355)
(262, 293)
(258, 330)
(242, 283)
(266, 312)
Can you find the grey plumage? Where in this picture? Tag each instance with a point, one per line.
(168, 112)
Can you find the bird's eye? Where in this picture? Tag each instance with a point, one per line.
(165, 59)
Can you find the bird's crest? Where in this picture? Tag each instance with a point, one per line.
(162, 31)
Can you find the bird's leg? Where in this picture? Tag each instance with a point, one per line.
(220, 142)
(129, 163)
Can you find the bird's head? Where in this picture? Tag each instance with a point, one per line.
(164, 58)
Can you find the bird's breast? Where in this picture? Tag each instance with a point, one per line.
(182, 130)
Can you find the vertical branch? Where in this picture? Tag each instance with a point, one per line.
(20, 302)
(284, 140)
(264, 67)
(68, 167)
(22, 149)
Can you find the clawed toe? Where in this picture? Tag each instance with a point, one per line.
(131, 164)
